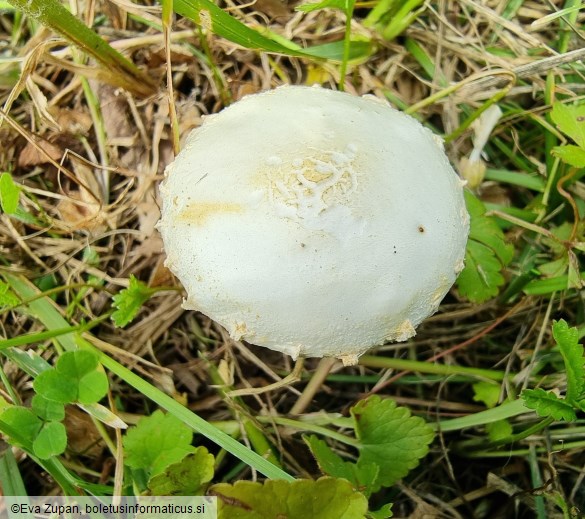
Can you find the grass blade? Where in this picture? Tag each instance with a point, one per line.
(120, 71)
(45, 312)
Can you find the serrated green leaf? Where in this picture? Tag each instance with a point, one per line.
(51, 440)
(383, 513)
(53, 386)
(7, 296)
(570, 119)
(487, 393)
(571, 154)
(390, 437)
(326, 498)
(568, 341)
(23, 420)
(129, 301)
(47, 409)
(156, 442)
(486, 256)
(480, 279)
(361, 475)
(9, 193)
(188, 477)
(546, 404)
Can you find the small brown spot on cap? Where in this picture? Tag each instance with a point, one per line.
(421, 228)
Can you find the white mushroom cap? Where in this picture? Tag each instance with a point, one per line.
(314, 222)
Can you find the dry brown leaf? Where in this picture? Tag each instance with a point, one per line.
(82, 435)
(40, 152)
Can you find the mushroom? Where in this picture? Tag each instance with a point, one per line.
(314, 222)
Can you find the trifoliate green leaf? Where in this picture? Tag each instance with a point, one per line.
(570, 120)
(361, 475)
(50, 384)
(156, 442)
(129, 301)
(326, 498)
(76, 363)
(572, 352)
(75, 378)
(188, 477)
(571, 154)
(9, 193)
(546, 403)
(486, 256)
(92, 387)
(51, 440)
(47, 409)
(390, 437)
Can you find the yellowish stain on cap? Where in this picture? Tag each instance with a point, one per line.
(198, 213)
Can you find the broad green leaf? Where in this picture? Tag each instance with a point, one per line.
(75, 378)
(570, 119)
(188, 477)
(571, 154)
(499, 430)
(7, 296)
(481, 278)
(9, 193)
(92, 387)
(383, 513)
(23, 420)
(51, 440)
(156, 442)
(487, 393)
(47, 409)
(572, 352)
(129, 301)
(53, 386)
(76, 364)
(390, 437)
(326, 498)
(546, 403)
(484, 229)
(486, 256)
(361, 475)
